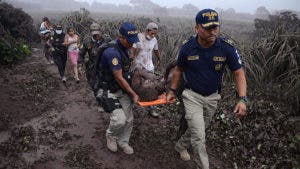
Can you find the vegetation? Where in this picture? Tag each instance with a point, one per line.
(273, 60)
(267, 137)
(17, 31)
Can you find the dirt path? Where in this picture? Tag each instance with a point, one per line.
(57, 126)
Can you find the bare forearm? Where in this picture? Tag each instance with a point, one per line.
(78, 41)
(157, 54)
(241, 107)
(82, 52)
(176, 77)
(118, 75)
(170, 66)
(241, 83)
(133, 52)
(125, 86)
(174, 84)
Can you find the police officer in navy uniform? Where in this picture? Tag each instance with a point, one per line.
(115, 64)
(202, 60)
(60, 51)
(91, 46)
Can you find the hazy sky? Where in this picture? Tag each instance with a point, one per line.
(239, 5)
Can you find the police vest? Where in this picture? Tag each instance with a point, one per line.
(106, 78)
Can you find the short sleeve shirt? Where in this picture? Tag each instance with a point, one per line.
(145, 49)
(204, 67)
(111, 58)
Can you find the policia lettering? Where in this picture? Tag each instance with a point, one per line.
(220, 62)
(132, 32)
(210, 15)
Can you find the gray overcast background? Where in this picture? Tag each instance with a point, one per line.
(248, 6)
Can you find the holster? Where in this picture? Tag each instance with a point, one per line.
(108, 104)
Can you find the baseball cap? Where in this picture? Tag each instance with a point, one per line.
(152, 26)
(96, 33)
(128, 30)
(95, 28)
(207, 18)
(45, 18)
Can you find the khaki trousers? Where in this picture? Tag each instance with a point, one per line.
(199, 112)
(121, 119)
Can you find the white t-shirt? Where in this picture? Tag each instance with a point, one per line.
(73, 43)
(145, 49)
(43, 26)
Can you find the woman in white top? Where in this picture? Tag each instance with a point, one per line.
(45, 25)
(72, 41)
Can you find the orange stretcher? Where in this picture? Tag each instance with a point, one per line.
(162, 99)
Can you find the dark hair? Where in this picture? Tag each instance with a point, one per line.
(69, 28)
(45, 19)
(58, 26)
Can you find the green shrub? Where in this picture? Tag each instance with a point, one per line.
(17, 31)
(11, 53)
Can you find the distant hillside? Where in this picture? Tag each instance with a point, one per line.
(58, 5)
(145, 7)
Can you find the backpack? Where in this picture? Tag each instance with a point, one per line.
(101, 73)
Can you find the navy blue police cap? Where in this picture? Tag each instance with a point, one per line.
(129, 31)
(207, 18)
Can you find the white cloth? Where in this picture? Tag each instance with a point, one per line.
(73, 40)
(145, 49)
(43, 26)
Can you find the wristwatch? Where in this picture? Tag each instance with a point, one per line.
(244, 99)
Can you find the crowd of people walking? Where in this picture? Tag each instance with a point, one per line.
(199, 70)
